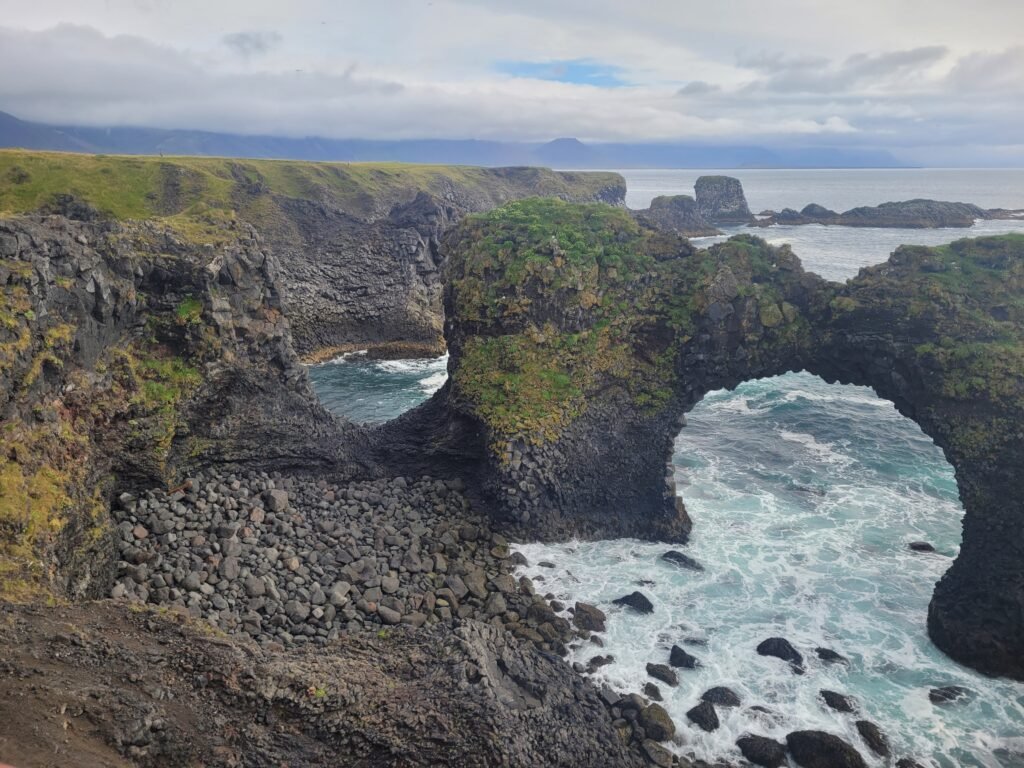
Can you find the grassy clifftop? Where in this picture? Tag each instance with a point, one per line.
(191, 192)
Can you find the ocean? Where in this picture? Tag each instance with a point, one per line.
(804, 496)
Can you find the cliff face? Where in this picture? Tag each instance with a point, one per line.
(357, 244)
(128, 353)
(721, 201)
(679, 214)
(579, 339)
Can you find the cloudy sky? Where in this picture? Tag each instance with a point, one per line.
(936, 81)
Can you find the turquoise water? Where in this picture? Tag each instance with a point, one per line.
(804, 496)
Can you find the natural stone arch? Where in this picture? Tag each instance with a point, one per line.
(579, 339)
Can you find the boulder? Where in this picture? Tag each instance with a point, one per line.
(680, 658)
(760, 750)
(873, 737)
(276, 500)
(656, 753)
(921, 546)
(781, 648)
(948, 694)
(721, 696)
(656, 722)
(589, 617)
(652, 692)
(817, 749)
(663, 673)
(637, 601)
(705, 716)
(831, 657)
(837, 701)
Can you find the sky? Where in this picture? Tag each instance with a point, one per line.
(936, 82)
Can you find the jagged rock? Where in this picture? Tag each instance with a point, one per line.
(637, 601)
(907, 214)
(276, 501)
(652, 692)
(656, 754)
(721, 696)
(760, 750)
(680, 658)
(816, 749)
(906, 762)
(873, 737)
(705, 716)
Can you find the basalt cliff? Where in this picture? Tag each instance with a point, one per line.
(579, 339)
(320, 591)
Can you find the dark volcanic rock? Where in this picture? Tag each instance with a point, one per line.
(680, 658)
(948, 694)
(837, 701)
(780, 648)
(705, 716)
(637, 601)
(907, 762)
(816, 749)
(656, 722)
(589, 617)
(720, 200)
(664, 673)
(921, 546)
(907, 214)
(721, 696)
(683, 561)
(760, 750)
(652, 692)
(873, 737)
(831, 657)
(678, 214)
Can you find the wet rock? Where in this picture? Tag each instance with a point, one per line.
(656, 722)
(589, 617)
(596, 662)
(652, 692)
(683, 561)
(837, 701)
(781, 648)
(921, 546)
(948, 694)
(873, 737)
(680, 658)
(637, 601)
(663, 673)
(705, 716)
(817, 749)
(656, 754)
(721, 696)
(760, 750)
(831, 657)
(906, 762)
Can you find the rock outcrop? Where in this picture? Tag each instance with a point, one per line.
(720, 200)
(126, 351)
(908, 214)
(175, 692)
(579, 339)
(356, 243)
(677, 213)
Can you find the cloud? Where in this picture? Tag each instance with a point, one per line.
(697, 88)
(247, 44)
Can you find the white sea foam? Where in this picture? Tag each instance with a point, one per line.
(433, 382)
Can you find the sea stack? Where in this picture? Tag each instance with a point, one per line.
(721, 202)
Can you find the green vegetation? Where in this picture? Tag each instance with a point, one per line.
(189, 311)
(201, 196)
(561, 300)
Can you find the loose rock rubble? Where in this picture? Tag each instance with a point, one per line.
(292, 561)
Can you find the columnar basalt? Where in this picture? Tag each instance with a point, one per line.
(580, 338)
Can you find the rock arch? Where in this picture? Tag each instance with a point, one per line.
(580, 338)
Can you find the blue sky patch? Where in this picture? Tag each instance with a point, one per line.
(579, 71)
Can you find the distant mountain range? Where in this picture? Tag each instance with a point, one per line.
(560, 153)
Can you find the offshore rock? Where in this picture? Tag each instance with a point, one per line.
(816, 749)
(720, 200)
(907, 214)
(679, 214)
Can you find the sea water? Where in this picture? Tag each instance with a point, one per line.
(804, 496)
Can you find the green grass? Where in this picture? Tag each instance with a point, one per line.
(197, 194)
